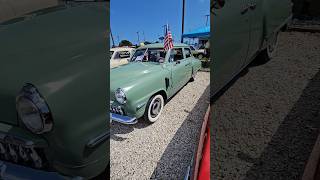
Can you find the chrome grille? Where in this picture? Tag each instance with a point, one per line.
(22, 154)
(116, 109)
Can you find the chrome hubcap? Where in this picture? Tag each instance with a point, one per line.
(155, 108)
(273, 45)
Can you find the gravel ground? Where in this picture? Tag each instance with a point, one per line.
(164, 149)
(267, 121)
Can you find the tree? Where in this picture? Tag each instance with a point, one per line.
(125, 43)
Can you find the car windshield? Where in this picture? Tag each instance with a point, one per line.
(149, 55)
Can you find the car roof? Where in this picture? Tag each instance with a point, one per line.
(161, 45)
(121, 49)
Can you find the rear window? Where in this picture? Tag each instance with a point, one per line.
(122, 54)
(187, 52)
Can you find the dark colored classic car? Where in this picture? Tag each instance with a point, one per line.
(52, 94)
(141, 87)
(241, 31)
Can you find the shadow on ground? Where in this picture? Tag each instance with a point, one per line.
(177, 156)
(256, 62)
(287, 153)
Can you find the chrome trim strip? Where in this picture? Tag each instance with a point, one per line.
(123, 119)
(99, 139)
(187, 175)
(11, 139)
(141, 105)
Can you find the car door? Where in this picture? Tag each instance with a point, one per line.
(188, 63)
(256, 29)
(230, 40)
(178, 72)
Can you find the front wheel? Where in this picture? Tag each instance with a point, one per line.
(154, 108)
(103, 175)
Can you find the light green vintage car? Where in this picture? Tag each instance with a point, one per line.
(241, 31)
(141, 87)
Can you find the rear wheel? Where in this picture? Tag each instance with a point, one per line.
(270, 51)
(154, 108)
(200, 56)
(193, 76)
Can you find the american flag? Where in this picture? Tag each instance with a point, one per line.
(168, 42)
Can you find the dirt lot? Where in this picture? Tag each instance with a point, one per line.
(267, 122)
(164, 149)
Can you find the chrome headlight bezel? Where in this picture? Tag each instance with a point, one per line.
(29, 102)
(120, 96)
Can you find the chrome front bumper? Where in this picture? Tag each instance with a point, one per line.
(12, 171)
(122, 119)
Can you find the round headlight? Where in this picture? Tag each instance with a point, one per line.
(33, 110)
(120, 96)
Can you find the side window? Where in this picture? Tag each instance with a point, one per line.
(187, 52)
(176, 54)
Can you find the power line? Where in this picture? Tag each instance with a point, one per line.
(138, 37)
(112, 38)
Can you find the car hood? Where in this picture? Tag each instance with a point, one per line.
(126, 76)
(38, 49)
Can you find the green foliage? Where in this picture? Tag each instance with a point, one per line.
(125, 43)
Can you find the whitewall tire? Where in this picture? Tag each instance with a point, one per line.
(154, 108)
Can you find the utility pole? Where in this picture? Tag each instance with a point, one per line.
(112, 38)
(138, 37)
(144, 37)
(118, 39)
(183, 7)
(207, 18)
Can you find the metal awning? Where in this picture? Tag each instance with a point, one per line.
(203, 32)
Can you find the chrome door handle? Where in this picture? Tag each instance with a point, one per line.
(245, 10)
(253, 6)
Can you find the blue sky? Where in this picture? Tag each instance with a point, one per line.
(148, 16)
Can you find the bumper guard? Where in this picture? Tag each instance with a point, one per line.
(123, 119)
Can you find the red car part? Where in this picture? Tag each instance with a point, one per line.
(201, 169)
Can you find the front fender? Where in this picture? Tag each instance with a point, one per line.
(77, 95)
(140, 93)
